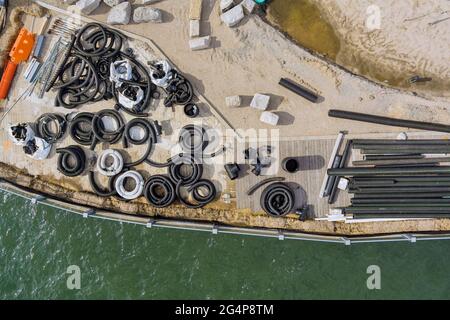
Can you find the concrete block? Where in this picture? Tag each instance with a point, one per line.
(120, 14)
(233, 101)
(260, 101)
(195, 10)
(269, 118)
(194, 28)
(148, 1)
(143, 14)
(87, 6)
(113, 3)
(343, 184)
(226, 5)
(233, 16)
(249, 6)
(200, 43)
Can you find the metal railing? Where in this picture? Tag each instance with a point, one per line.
(151, 222)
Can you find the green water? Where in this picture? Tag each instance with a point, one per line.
(37, 244)
(303, 21)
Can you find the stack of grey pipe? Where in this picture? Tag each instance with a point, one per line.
(398, 179)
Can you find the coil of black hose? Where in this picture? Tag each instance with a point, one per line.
(150, 136)
(81, 128)
(176, 175)
(111, 191)
(43, 130)
(201, 199)
(179, 90)
(103, 135)
(96, 40)
(159, 191)
(78, 157)
(277, 199)
(193, 140)
(78, 84)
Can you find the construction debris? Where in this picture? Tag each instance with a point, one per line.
(148, 1)
(233, 101)
(270, 118)
(260, 101)
(87, 6)
(233, 16)
(144, 14)
(226, 5)
(120, 14)
(113, 3)
(194, 28)
(200, 43)
(195, 10)
(249, 6)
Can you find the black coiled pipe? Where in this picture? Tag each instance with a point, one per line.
(78, 157)
(81, 128)
(159, 191)
(103, 135)
(43, 130)
(277, 199)
(111, 191)
(193, 140)
(200, 199)
(150, 136)
(177, 176)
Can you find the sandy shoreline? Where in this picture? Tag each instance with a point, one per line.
(412, 39)
(400, 49)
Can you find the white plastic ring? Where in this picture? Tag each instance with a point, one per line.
(138, 189)
(116, 166)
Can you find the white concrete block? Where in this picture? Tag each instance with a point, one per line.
(148, 1)
(194, 28)
(143, 14)
(260, 101)
(233, 101)
(343, 184)
(113, 3)
(225, 5)
(195, 9)
(249, 6)
(87, 6)
(120, 14)
(269, 118)
(200, 43)
(233, 16)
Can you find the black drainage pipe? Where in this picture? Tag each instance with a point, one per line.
(341, 172)
(388, 121)
(298, 89)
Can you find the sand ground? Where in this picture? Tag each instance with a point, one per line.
(386, 41)
(412, 39)
(251, 58)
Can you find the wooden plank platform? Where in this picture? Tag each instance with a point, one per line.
(312, 156)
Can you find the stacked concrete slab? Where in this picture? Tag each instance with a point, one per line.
(197, 42)
(234, 11)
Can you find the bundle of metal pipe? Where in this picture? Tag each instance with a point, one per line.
(398, 178)
(330, 183)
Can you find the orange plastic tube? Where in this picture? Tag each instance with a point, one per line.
(7, 78)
